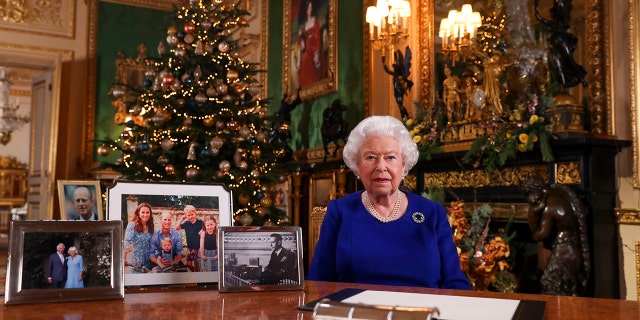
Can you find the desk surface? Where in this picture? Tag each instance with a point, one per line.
(195, 303)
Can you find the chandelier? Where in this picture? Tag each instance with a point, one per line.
(458, 31)
(388, 22)
(9, 120)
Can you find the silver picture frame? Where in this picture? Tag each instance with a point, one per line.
(260, 258)
(32, 245)
(211, 201)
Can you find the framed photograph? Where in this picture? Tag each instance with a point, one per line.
(309, 60)
(170, 230)
(80, 200)
(59, 261)
(260, 259)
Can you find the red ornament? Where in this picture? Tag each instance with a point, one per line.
(189, 27)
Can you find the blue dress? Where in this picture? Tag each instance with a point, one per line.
(74, 268)
(356, 247)
(141, 247)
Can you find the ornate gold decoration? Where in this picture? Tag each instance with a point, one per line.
(166, 5)
(634, 85)
(568, 173)
(56, 18)
(627, 216)
(130, 72)
(11, 162)
(315, 221)
(480, 178)
(598, 59)
(596, 43)
(316, 154)
(637, 269)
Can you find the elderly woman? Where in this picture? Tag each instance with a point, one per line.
(383, 235)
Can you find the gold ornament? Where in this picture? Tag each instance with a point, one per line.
(103, 150)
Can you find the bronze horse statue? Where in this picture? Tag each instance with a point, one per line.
(334, 128)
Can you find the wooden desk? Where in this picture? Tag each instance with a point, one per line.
(277, 305)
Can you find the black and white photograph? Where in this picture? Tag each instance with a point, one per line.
(260, 258)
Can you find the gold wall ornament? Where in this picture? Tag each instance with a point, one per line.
(55, 18)
(479, 178)
(627, 216)
(568, 173)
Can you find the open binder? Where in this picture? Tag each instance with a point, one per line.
(352, 303)
(332, 310)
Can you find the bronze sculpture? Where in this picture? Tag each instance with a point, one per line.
(334, 127)
(557, 218)
(563, 43)
(401, 82)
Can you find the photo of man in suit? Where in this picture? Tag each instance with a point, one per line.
(283, 264)
(57, 270)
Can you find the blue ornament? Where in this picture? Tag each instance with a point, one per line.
(144, 147)
(188, 80)
(205, 152)
(180, 35)
(147, 83)
(252, 140)
(191, 103)
(259, 195)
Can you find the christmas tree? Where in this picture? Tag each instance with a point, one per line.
(195, 118)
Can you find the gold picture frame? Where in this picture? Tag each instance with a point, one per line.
(309, 58)
(245, 259)
(69, 208)
(32, 244)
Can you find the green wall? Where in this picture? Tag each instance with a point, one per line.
(306, 118)
(121, 28)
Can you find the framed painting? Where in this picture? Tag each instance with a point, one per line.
(80, 200)
(170, 230)
(60, 261)
(310, 50)
(260, 259)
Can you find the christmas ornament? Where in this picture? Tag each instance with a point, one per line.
(163, 160)
(125, 135)
(223, 47)
(166, 144)
(225, 165)
(103, 150)
(192, 151)
(192, 172)
(245, 219)
(208, 122)
(232, 75)
(169, 169)
(189, 27)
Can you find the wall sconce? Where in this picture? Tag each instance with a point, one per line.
(458, 30)
(9, 120)
(388, 22)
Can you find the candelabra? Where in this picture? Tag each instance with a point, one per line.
(458, 31)
(388, 23)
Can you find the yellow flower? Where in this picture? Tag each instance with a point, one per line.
(523, 137)
(533, 119)
(409, 122)
(509, 134)
(518, 116)
(522, 148)
(534, 138)
(417, 139)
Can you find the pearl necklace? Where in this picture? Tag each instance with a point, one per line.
(394, 213)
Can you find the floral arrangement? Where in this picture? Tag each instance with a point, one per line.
(425, 133)
(483, 258)
(505, 138)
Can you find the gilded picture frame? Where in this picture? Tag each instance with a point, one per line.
(309, 58)
(75, 203)
(126, 201)
(33, 244)
(249, 262)
(634, 85)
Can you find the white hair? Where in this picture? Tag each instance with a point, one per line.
(387, 126)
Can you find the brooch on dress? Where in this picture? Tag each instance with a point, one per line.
(417, 217)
